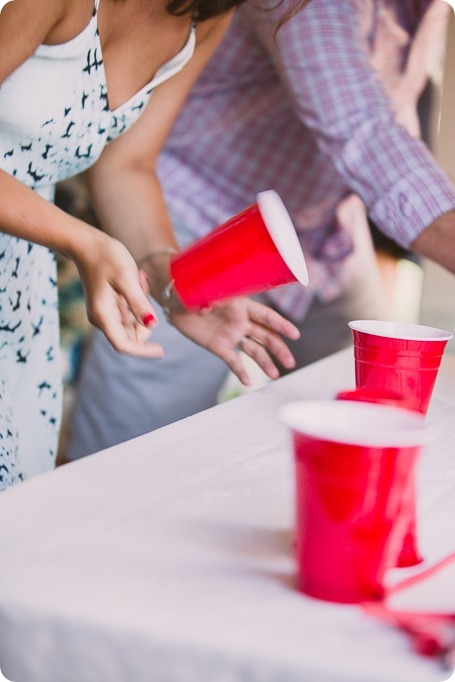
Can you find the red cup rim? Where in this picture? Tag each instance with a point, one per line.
(282, 231)
(356, 423)
(406, 331)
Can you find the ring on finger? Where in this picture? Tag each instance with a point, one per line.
(248, 338)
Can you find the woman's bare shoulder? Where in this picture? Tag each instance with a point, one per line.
(26, 19)
(23, 27)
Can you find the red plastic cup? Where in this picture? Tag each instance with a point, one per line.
(367, 394)
(401, 360)
(353, 461)
(409, 554)
(256, 250)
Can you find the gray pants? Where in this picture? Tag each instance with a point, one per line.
(120, 397)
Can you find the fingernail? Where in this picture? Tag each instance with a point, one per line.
(144, 277)
(148, 319)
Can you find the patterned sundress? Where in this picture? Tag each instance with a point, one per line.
(54, 123)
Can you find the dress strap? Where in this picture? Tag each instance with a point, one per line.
(97, 4)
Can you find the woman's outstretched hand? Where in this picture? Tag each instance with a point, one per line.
(240, 324)
(115, 298)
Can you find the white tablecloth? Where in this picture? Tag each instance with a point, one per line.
(168, 558)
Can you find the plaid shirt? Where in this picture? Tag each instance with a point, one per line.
(316, 113)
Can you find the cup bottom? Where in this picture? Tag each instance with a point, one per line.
(339, 594)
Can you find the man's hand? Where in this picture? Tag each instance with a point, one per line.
(240, 324)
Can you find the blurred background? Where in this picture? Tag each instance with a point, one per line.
(437, 305)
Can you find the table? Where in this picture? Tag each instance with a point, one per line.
(168, 558)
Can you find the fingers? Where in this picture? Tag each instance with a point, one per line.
(125, 333)
(266, 327)
(138, 303)
(258, 327)
(123, 340)
(135, 329)
(117, 301)
(144, 350)
(274, 344)
(235, 364)
(144, 281)
(259, 354)
(266, 317)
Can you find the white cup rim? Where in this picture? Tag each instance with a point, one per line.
(282, 231)
(356, 423)
(406, 331)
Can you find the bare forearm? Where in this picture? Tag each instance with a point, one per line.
(131, 207)
(24, 214)
(437, 241)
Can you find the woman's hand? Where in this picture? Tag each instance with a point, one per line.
(240, 324)
(115, 298)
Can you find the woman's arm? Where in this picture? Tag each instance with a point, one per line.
(116, 302)
(123, 186)
(115, 299)
(129, 203)
(22, 29)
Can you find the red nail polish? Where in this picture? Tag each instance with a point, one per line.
(148, 319)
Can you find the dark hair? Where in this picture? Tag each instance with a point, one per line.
(206, 9)
(202, 9)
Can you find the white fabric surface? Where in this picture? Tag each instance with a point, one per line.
(177, 566)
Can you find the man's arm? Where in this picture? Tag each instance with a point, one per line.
(324, 63)
(437, 241)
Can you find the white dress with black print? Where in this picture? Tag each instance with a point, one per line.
(54, 123)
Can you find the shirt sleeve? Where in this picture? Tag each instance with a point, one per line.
(323, 61)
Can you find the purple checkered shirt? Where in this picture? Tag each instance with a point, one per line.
(313, 115)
